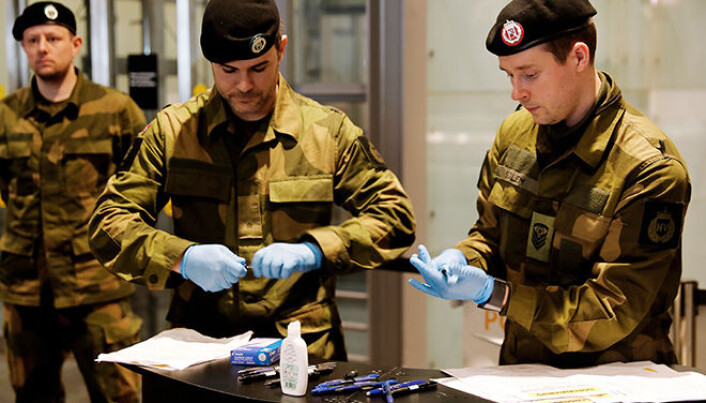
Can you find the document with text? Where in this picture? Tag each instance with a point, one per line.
(641, 381)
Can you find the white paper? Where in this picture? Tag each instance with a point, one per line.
(176, 349)
(642, 381)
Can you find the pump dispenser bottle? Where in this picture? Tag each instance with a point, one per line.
(294, 362)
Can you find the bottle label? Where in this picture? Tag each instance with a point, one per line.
(288, 375)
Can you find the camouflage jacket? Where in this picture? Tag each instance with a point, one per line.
(590, 243)
(281, 187)
(54, 162)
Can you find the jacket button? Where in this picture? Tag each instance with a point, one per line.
(153, 278)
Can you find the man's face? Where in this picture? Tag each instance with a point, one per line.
(50, 50)
(548, 89)
(250, 86)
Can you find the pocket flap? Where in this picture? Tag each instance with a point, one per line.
(16, 244)
(89, 145)
(18, 145)
(213, 182)
(302, 189)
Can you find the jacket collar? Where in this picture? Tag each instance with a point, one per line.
(284, 119)
(599, 129)
(34, 99)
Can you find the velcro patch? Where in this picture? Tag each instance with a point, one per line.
(661, 224)
(539, 239)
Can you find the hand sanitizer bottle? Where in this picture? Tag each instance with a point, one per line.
(294, 362)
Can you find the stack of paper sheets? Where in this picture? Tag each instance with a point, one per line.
(642, 381)
(176, 349)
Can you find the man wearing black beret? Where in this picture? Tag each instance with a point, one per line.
(581, 206)
(253, 171)
(61, 137)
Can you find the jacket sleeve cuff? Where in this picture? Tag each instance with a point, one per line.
(333, 248)
(160, 266)
(522, 304)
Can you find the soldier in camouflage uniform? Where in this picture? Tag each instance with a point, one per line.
(60, 140)
(581, 204)
(253, 171)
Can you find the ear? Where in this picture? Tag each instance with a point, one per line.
(76, 43)
(580, 56)
(282, 47)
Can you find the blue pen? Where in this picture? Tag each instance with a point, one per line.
(388, 392)
(345, 388)
(334, 382)
(379, 391)
(367, 385)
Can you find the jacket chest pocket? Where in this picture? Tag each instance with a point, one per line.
(579, 236)
(86, 165)
(513, 208)
(16, 151)
(298, 204)
(200, 196)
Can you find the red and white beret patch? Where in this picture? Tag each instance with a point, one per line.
(512, 33)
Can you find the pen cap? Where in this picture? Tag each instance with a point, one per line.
(294, 329)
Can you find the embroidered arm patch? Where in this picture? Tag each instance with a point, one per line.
(661, 224)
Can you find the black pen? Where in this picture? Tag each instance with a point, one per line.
(250, 371)
(414, 388)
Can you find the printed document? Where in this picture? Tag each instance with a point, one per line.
(642, 381)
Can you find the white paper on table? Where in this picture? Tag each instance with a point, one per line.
(176, 349)
(617, 382)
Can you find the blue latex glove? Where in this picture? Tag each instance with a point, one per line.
(458, 283)
(449, 262)
(212, 267)
(280, 260)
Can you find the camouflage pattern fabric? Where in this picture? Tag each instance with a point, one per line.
(281, 186)
(590, 243)
(54, 162)
(40, 338)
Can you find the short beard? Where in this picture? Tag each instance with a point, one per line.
(55, 77)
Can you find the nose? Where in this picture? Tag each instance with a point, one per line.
(519, 92)
(42, 44)
(245, 83)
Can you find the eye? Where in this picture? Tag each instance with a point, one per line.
(259, 69)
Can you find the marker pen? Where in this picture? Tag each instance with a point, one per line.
(379, 392)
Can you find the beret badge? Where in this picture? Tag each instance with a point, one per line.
(512, 33)
(51, 12)
(257, 43)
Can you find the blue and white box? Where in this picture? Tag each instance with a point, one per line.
(258, 351)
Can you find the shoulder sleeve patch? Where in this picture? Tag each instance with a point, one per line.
(661, 224)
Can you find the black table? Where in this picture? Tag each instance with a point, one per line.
(216, 381)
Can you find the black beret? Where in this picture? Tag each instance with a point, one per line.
(238, 29)
(44, 12)
(526, 23)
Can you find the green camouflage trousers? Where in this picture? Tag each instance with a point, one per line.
(40, 338)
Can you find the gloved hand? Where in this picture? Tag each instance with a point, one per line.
(280, 260)
(212, 267)
(450, 261)
(464, 282)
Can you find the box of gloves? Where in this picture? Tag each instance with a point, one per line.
(258, 351)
